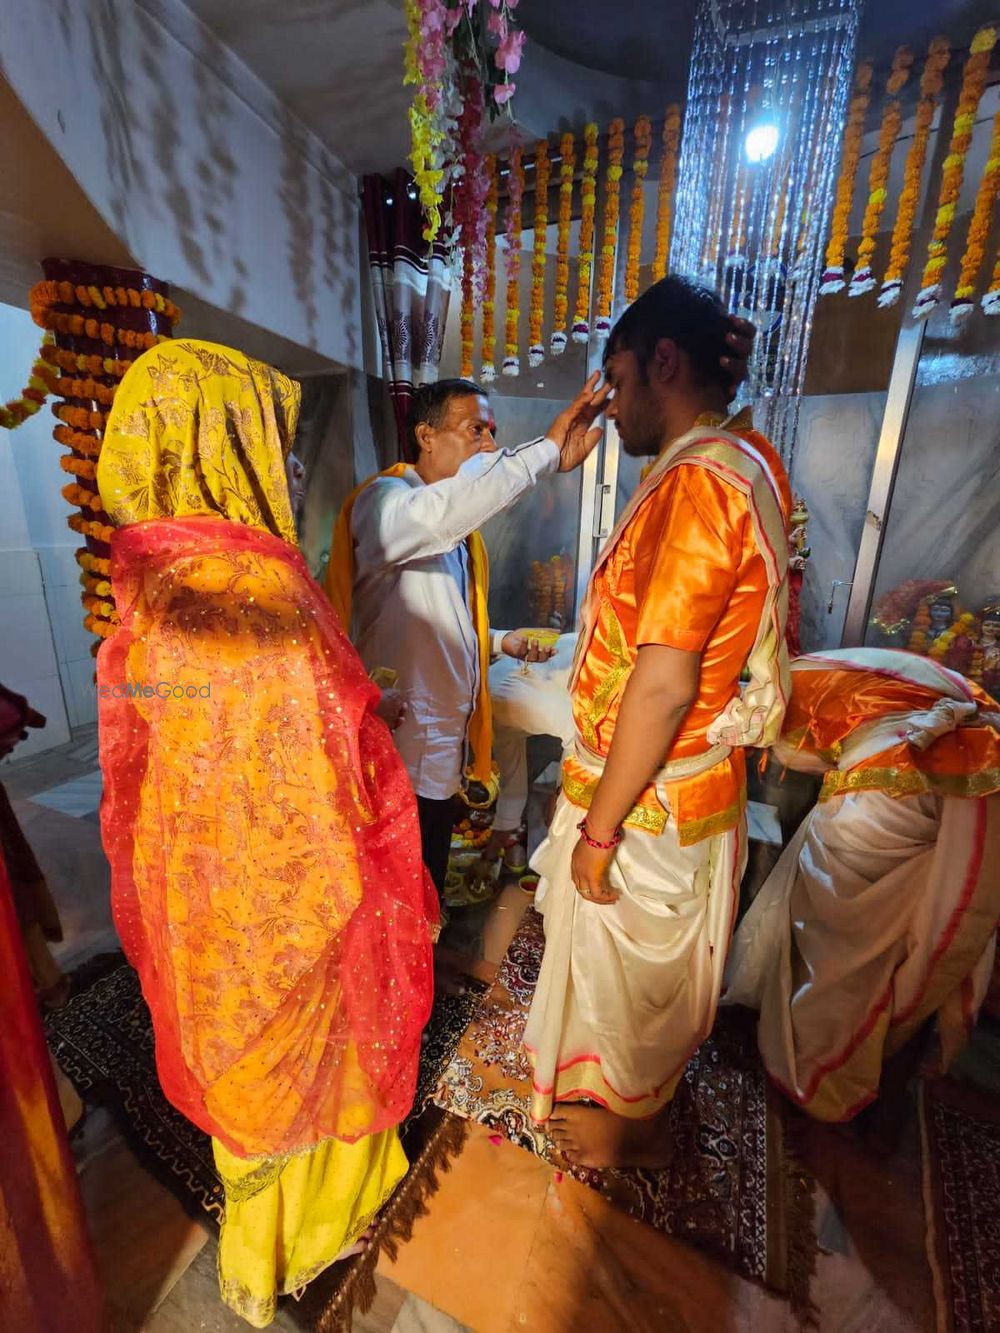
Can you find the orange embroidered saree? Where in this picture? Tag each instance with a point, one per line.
(267, 881)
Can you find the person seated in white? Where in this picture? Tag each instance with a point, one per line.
(528, 700)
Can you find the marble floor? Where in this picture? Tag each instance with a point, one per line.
(507, 1244)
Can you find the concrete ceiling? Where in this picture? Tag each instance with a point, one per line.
(337, 64)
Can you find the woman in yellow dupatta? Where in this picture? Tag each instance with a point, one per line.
(266, 874)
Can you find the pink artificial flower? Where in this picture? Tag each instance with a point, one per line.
(503, 92)
(508, 53)
(513, 4)
(497, 24)
(433, 19)
(496, 3)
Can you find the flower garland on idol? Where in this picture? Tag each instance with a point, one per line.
(588, 210)
(931, 83)
(488, 369)
(643, 135)
(609, 226)
(449, 48)
(560, 308)
(833, 274)
(512, 263)
(536, 351)
(892, 120)
(668, 184)
(979, 231)
(973, 85)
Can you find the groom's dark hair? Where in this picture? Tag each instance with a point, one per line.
(689, 314)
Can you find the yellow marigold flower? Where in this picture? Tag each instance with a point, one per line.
(984, 40)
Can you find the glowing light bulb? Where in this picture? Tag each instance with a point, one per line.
(761, 142)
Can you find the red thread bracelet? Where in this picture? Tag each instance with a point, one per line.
(594, 842)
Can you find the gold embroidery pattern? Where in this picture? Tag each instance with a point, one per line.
(621, 665)
(711, 826)
(580, 792)
(911, 782)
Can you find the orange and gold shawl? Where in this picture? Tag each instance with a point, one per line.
(267, 881)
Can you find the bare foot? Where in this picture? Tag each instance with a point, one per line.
(592, 1137)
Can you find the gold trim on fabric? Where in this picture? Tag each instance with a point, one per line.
(911, 782)
(580, 792)
(621, 665)
(710, 826)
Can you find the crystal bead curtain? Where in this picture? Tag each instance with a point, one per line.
(767, 99)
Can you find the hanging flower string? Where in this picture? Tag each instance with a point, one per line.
(585, 262)
(512, 263)
(979, 231)
(560, 309)
(609, 228)
(41, 382)
(643, 134)
(536, 350)
(931, 83)
(668, 183)
(973, 85)
(833, 275)
(892, 119)
(468, 313)
(488, 370)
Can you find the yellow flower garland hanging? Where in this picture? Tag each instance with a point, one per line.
(560, 308)
(511, 360)
(588, 210)
(974, 77)
(668, 183)
(931, 83)
(892, 120)
(643, 134)
(488, 369)
(833, 274)
(41, 382)
(609, 228)
(979, 231)
(536, 351)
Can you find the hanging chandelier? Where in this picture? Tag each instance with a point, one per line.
(767, 99)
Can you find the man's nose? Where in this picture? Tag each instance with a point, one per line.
(489, 444)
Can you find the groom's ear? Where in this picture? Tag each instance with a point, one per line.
(665, 361)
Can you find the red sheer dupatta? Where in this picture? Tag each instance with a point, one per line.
(267, 880)
(47, 1274)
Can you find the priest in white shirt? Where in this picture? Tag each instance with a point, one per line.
(407, 574)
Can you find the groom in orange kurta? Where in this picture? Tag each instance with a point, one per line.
(640, 872)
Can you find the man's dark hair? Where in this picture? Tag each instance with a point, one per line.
(686, 312)
(429, 405)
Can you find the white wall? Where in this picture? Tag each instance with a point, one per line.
(44, 649)
(207, 179)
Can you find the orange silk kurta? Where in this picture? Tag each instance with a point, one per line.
(831, 700)
(686, 573)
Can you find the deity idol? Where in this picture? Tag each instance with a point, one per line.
(988, 656)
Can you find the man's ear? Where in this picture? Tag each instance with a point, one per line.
(666, 360)
(425, 437)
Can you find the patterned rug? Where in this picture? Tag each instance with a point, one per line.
(731, 1188)
(103, 1039)
(960, 1136)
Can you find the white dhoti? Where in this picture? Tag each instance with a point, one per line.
(628, 992)
(880, 913)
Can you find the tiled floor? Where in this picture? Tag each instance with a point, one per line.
(506, 1246)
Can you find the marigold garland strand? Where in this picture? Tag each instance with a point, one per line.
(512, 262)
(974, 77)
(931, 83)
(979, 231)
(41, 382)
(892, 119)
(643, 135)
(588, 208)
(833, 274)
(488, 370)
(468, 311)
(560, 309)
(668, 184)
(609, 226)
(536, 351)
